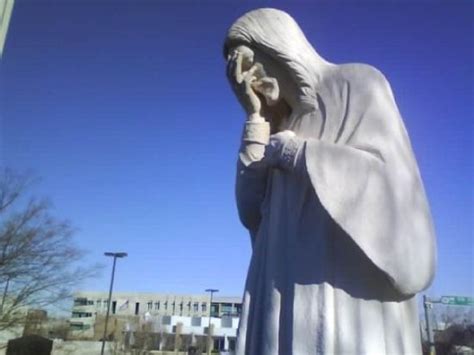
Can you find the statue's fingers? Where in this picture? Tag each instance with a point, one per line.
(249, 73)
(231, 66)
(254, 101)
(238, 68)
(230, 70)
(248, 87)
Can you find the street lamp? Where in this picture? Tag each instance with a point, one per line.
(115, 256)
(211, 291)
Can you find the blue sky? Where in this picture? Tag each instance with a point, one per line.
(123, 109)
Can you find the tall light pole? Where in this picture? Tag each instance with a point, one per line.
(115, 256)
(211, 291)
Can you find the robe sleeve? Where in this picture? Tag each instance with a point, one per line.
(251, 180)
(370, 185)
(250, 187)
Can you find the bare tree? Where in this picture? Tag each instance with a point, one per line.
(447, 316)
(454, 328)
(38, 257)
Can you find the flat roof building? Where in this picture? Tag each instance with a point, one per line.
(162, 312)
(162, 304)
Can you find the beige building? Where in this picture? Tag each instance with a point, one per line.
(166, 316)
(88, 304)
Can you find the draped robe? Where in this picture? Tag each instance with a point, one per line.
(341, 248)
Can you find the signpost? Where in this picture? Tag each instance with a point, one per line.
(456, 300)
(427, 304)
(444, 300)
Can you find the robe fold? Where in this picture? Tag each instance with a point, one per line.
(340, 250)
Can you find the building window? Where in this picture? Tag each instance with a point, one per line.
(173, 305)
(214, 310)
(166, 305)
(196, 321)
(98, 303)
(226, 308)
(157, 306)
(196, 307)
(232, 343)
(181, 307)
(81, 314)
(204, 307)
(226, 322)
(238, 309)
(79, 326)
(80, 301)
(149, 305)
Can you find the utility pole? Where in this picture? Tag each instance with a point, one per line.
(427, 304)
(209, 337)
(115, 256)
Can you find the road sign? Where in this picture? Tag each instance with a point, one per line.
(457, 300)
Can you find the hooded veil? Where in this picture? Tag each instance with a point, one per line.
(360, 208)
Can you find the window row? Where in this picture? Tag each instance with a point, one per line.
(81, 301)
(181, 306)
(195, 307)
(81, 314)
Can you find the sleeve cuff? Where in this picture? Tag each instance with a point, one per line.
(291, 152)
(256, 132)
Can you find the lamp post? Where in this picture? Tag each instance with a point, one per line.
(115, 256)
(211, 291)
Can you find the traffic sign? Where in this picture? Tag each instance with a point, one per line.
(457, 300)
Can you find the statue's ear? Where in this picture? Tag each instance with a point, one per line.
(269, 88)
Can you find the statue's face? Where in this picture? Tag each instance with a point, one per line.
(268, 76)
(248, 56)
(265, 84)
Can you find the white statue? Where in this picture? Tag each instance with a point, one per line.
(328, 186)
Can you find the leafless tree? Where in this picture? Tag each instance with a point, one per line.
(38, 258)
(447, 316)
(454, 327)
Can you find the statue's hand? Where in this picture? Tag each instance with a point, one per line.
(241, 82)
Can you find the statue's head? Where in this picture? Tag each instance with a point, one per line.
(272, 38)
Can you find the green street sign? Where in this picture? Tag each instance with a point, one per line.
(457, 300)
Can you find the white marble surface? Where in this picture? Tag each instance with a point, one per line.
(340, 226)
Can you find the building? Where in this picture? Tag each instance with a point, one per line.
(186, 315)
(87, 304)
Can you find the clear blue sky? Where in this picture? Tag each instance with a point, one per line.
(122, 107)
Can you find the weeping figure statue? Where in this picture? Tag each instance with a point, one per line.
(330, 191)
